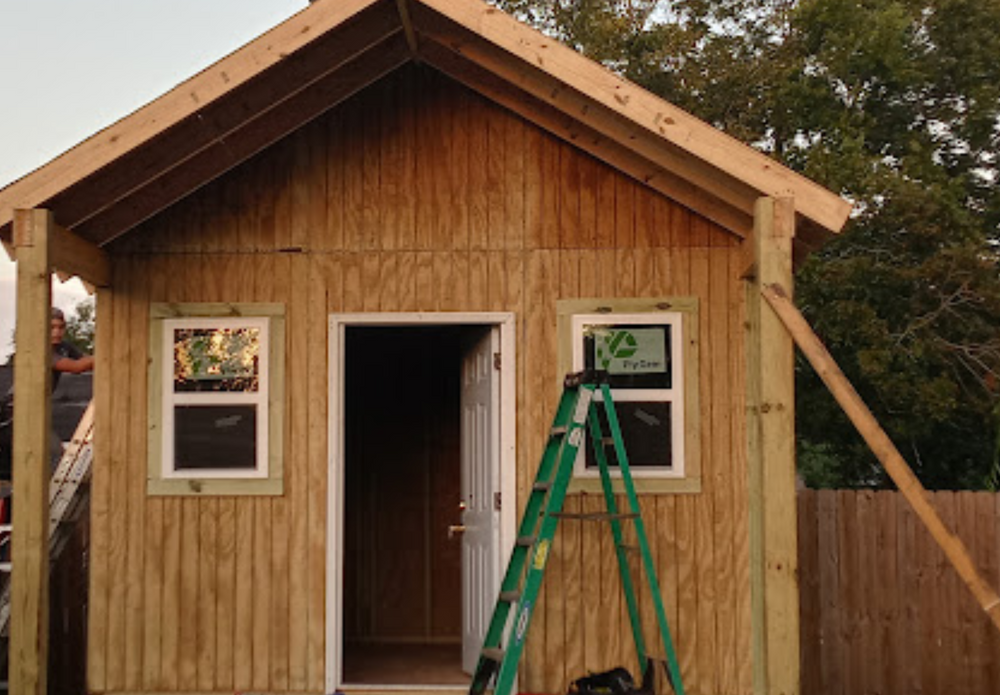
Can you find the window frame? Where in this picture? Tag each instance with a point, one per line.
(266, 478)
(172, 398)
(685, 478)
(674, 396)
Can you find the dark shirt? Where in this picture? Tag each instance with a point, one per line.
(7, 406)
(63, 349)
(59, 351)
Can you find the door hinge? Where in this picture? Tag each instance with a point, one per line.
(497, 501)
(496, 361)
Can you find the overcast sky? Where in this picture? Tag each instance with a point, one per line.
(69, 68)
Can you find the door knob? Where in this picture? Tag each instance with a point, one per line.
(455, 529)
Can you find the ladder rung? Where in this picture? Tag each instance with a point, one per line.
(608, 441)
(525, 541)
(542, 485)
(629, 548)
(558, 431)
(510, 596)
(493, 654)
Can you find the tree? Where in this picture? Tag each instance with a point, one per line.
(908, 298)
(896, 105)
(80, 326)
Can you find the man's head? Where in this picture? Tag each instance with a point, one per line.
(58, 324)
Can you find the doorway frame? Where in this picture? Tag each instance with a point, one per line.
(336, 465)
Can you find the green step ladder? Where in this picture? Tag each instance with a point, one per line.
(584, 395)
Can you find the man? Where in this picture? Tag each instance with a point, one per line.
(66, 358)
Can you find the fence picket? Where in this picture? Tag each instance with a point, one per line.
(882, 610)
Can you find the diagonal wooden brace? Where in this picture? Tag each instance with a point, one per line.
(883, 448)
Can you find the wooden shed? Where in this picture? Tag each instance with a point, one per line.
(340, 274)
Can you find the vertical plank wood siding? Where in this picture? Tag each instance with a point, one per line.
(882, 609)
(416, 195)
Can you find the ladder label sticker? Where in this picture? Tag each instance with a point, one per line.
(583, 406)
(541, 554)
(631, 351)
(576, 437)
(522, 622)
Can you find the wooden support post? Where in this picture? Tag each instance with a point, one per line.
(771, 459)
(29, 618)
(883, 448)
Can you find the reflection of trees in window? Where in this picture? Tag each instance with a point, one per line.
(216, 359)
(609, 346)
(641, 355)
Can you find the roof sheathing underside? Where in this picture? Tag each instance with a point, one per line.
(209, 137)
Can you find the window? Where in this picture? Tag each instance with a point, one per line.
(640, 353)
(215, 398)
(216, 416)
(649, 350)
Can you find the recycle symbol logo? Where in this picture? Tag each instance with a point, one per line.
(617, 345)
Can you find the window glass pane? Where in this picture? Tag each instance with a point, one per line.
(215, 436)
(634, 355)
(216, 359)
(646, 433)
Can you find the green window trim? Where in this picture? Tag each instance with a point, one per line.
(687, 307)
(273, 483)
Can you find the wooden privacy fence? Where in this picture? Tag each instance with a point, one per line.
(882, 610)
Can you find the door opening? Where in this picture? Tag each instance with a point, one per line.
(420, 464)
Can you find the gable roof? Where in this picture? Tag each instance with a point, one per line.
(321, 56)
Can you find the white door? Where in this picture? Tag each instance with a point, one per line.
(480, 490)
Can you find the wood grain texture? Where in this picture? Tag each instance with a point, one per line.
(98, 587)
(155, 533)
(298, 478)
(879, 590)
(322, 284)
(881, 445)
(118, 469)
(707, 659)
(135, 472)
(29, 579)
(417, 195)
(772, 456)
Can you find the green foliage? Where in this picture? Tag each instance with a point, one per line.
(908, 298)
(993, 479)
(80, 326)
(216, 359)
(896, 105)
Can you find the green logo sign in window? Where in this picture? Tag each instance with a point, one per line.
(630, 351)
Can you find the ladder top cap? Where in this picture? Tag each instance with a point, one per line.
(587, 376)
